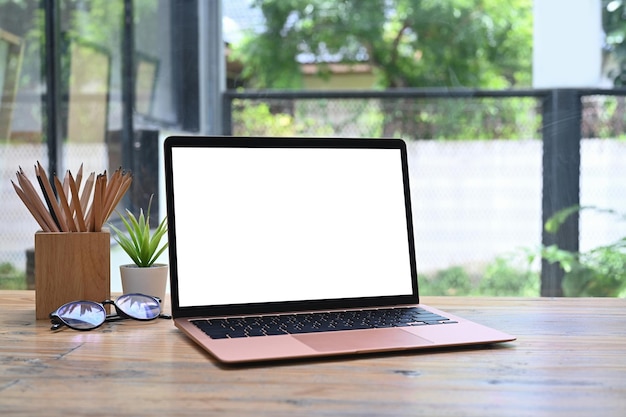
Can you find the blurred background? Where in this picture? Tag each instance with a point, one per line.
(514, 116)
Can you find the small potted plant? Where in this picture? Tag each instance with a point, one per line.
(142, 245)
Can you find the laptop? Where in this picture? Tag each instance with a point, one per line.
(284, 248)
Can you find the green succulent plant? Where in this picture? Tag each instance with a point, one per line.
(138, 241)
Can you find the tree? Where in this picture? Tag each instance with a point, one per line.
(410, 43)
(614, 26)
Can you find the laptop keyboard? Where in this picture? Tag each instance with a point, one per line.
(268, 325)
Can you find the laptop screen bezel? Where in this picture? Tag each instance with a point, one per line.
(282, 142)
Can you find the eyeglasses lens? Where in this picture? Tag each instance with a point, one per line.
(82, 315)
(139, 306)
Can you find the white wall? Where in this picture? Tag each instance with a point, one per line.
(567, 44)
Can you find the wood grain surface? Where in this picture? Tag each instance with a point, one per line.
(69, 267)
(569, 360)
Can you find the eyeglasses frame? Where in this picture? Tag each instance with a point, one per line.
(58, 322)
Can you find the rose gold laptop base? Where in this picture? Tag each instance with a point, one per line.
(348, 342)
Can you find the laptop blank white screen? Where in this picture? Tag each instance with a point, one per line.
(257, 225)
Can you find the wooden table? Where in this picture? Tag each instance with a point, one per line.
(569, 360)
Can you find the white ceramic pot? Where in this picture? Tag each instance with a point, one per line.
(150, 281)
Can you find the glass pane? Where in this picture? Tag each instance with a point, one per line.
(91, 66)
(158, 81)
(21, 142)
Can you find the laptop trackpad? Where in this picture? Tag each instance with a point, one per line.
(361, 340)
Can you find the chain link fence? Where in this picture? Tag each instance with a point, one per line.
(475, 165)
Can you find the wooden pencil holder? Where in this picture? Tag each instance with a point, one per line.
(71, 266)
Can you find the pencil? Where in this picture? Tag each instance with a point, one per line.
(65, 207)
(76, 205)
(30, 206)
(111, 191)
(47, 189)
(69, 218)
(48, 203)
(96, 205)
(121, 191)
(79, 176)
(29, 189)
(86, 193)
(66, 183)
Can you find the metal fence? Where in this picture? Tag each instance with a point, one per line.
(488, 167)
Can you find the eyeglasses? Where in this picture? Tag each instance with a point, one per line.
(88, 315)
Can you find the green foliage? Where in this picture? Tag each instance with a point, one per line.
(11, 278)
(600, 272)
(614, 25)
(603, 117)
(451, 281)
(471, 43)
(504, 276)
(140, 244)
(431, 43)
(486, 118)
(250, 119)
(256, 119)
(408, 118)
(341, 116)
(94, 21)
